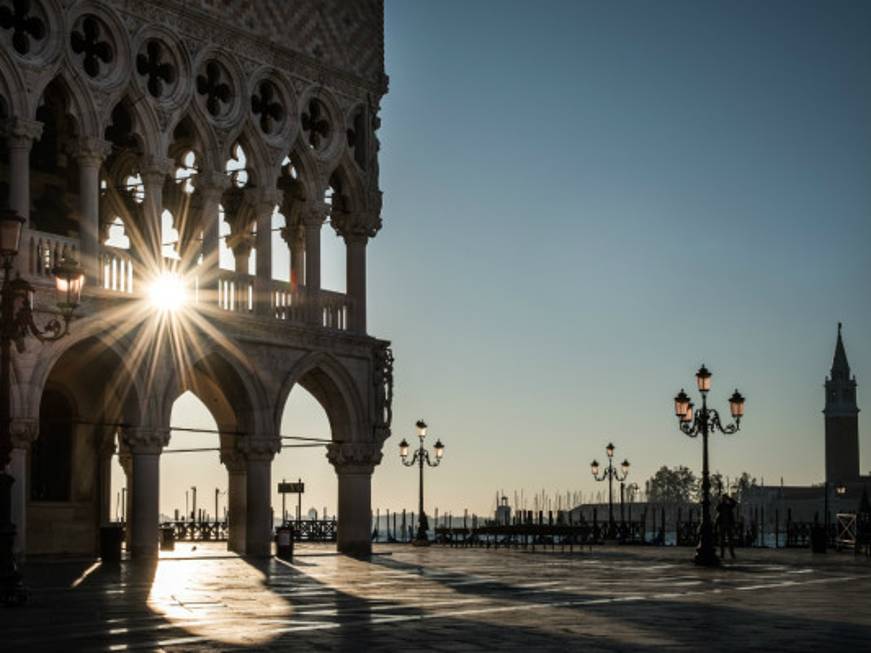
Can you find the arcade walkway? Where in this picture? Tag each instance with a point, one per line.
(447, 600)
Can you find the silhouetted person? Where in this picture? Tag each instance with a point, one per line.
(726, 524)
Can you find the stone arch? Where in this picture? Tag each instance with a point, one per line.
(328, 381)
(226, 385)
(78, 103)
(90, 338)
(263, 171)
(12, 87)
(192, 132)
(345, 182)
(307, 169)
(145, 125)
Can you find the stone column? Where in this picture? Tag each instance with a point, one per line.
(144, 521)
(150, 246)
(24, 432)
(354, 463)
(19, 137)
(106, 450)
(313, 220)
(209, 187)
(264, 208)
(90, 155)
(125, 459)
(258, 495)
(236, 498)
(297, 257)
(356, 279)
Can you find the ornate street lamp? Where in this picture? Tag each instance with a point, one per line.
(420, 456)
(704, 421)
(16, 323)
(611, 474)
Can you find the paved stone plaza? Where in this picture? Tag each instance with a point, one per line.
(448, 599)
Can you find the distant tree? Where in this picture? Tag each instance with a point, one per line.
(718, 485)
(744, 486)
(676, 485)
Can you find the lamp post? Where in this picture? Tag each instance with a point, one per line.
(16, 323)
(420, 456)
(611, 474)
(704, 421)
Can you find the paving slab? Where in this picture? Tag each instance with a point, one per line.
(443, 599)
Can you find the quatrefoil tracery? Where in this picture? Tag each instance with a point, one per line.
(23, 23)
(214, 88)
(315, 124)
(265, 105)
(151, 65)
(88, 42)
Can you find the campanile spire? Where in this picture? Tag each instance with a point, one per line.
(842, 418)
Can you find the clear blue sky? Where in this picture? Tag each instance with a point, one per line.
(583, 201)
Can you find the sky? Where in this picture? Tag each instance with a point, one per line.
(583, 202)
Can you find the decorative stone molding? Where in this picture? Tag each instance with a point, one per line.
(258, 448)
(356, 226)
(24, 432)
(153, 169)
(145, 440)
(92, 150)
(382, 379)
(292, 234)
(21, 132)
(316, 214)
(210, 185)
(354, 457)
(232, 459)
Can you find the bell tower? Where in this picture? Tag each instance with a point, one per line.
(842, 420)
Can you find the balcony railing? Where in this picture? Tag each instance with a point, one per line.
(235, 292)
(46, 250)
(118, 274)
(116, 270)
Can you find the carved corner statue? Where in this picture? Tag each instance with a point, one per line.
(383, 380)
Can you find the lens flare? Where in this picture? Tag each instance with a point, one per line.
(167, 293)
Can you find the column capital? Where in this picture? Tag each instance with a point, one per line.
(145, 440)
(354, 457)
(315, 214)
(232, 459)
(153, 169)
(22, 132)
(211, 182)
(292, 234)
(357, 227)
(23, 431)
(259, 448)
(266, 200)
(92, 150)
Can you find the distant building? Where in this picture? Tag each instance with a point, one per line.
(842, 420)
(843, 482)
(503, 512)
